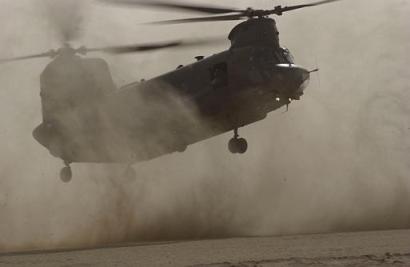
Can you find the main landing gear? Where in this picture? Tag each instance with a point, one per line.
(237, 145)
(66, 173)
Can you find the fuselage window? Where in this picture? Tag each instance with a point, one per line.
(219, 75)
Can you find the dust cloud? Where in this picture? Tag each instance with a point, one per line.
(337, 161)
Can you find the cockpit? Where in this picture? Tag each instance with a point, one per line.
(283, 55)
(268, 57)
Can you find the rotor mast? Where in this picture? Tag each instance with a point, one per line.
(255, 32)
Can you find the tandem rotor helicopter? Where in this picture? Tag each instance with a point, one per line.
(86, 119)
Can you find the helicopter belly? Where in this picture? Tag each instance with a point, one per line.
(83, 141)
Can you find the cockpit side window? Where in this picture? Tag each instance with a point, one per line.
(284, 56)
(288, 56)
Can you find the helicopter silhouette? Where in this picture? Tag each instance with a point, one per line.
(86, 119)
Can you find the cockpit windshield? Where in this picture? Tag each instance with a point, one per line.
(288, 55)
(283, 55)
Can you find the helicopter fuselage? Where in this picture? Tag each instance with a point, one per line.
(214, 95)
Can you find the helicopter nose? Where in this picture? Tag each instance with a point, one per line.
(295, 79)
(304, 79)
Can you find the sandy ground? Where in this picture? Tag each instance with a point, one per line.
(381, 248)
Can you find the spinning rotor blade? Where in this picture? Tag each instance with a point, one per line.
(202, 19)
(154, 46)
(171, 5)
(133, 48)
(123, 49)
(48, 54)
(231, 14)
(279, 10)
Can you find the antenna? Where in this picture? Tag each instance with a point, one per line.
(316, 70)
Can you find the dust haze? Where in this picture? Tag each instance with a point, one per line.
(337, 161)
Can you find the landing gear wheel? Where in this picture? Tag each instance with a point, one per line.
(66, 174)
(232, 146)
(130, 173)
(242, 145)
(238, 146)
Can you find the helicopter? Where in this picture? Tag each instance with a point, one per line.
(86, 119)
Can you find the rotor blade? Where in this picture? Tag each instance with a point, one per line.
(135, 48)
(173, 5)
(290, 8)
(202, 42)
(201, 19)
(47, 54)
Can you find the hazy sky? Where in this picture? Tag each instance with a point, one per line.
(338, 160)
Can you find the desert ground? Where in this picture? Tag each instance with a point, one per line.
(377, 248)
